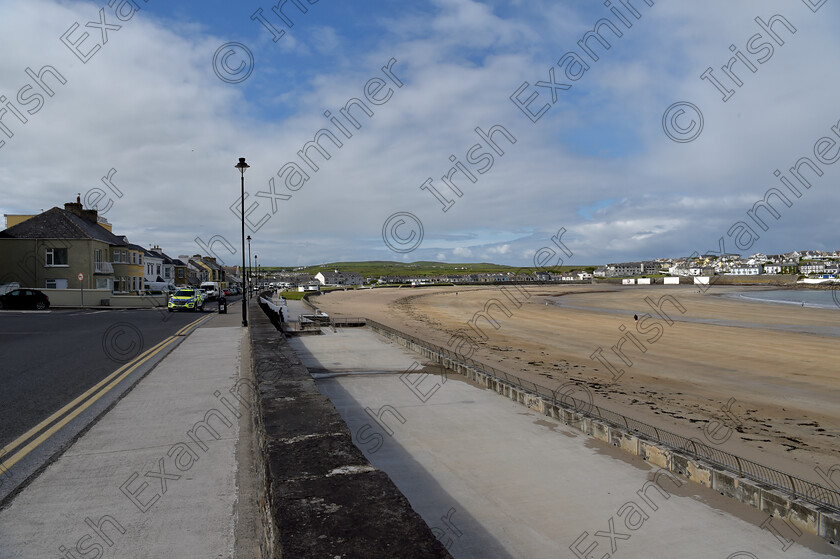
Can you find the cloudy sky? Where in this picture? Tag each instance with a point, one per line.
(170, 97)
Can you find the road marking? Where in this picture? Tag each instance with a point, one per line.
(26, 436)
(68, 418)
(114, 378)
(202, 320)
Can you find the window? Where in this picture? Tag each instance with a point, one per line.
(56, 257)
(58, 283)
(101, 283)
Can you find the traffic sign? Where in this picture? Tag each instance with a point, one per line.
(81, 276)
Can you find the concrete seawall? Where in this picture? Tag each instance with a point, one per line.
(319, 495)
(803, 515)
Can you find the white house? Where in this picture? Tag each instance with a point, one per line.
(812, 267)
(153, 270)
(773, 269)
(339, 278)
(746, 270)
(168, 264)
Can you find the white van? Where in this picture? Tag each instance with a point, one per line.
(211, 290)
(164, 286)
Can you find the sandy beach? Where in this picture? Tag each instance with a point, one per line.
(753, 378)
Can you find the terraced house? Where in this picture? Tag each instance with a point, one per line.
(51, 249)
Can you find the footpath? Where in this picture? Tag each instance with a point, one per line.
(168, 472)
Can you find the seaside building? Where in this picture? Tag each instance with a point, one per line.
(339, 278)
(625, 269)
(747, 270)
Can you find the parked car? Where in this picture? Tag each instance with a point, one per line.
(191, 299)
(25, 299)
(227, 292)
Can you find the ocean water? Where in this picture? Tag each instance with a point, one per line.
(825, 299)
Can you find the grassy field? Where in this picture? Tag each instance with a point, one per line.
(418, 269)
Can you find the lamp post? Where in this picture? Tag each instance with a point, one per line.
(257, 266)
(242, 166)
(248, 275)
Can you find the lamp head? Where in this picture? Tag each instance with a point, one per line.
(242, 165)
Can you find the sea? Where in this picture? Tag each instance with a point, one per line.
(822, 298)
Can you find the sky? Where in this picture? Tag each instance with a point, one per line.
(562, 142)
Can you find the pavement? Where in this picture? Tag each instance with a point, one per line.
(493, 479)
(167, 472)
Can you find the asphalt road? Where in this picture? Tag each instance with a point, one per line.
(50, 357)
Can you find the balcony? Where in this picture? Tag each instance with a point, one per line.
(103, 268)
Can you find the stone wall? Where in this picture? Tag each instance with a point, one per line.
(319, 495)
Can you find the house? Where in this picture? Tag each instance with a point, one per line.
(154, 266)
(812, 267)
(168, 265)
(790, 266)
(746, 270)
(51, 249)
(773, 268)
(624, 269)
(339, 278)
(179, 272)
(197, 272)
(215, 271)
(129, 270)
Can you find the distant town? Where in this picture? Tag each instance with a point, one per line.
(74, 248)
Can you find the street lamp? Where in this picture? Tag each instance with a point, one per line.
(247, 275)
(257, 266)
(242, 166)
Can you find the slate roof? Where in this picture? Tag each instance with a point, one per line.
(56, 223)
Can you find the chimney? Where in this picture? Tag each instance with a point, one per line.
(76, 209)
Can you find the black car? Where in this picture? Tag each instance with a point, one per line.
(24, 299)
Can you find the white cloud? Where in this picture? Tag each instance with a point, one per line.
(149, 105)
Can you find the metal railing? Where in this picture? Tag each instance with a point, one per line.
(794, 486)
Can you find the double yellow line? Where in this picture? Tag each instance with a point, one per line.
(86, 400)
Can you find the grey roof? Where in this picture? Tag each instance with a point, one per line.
(56, 223)
(211, 264)
(166, 258)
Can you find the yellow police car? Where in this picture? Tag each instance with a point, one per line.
(191, 299)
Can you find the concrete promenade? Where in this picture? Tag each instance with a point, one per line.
(166, 473)
(494, 479)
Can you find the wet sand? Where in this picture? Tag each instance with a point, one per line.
(763, 376)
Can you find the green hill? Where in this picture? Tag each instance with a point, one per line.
(379, 268)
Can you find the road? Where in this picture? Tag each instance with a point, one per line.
(62, 368)
(49, 358)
